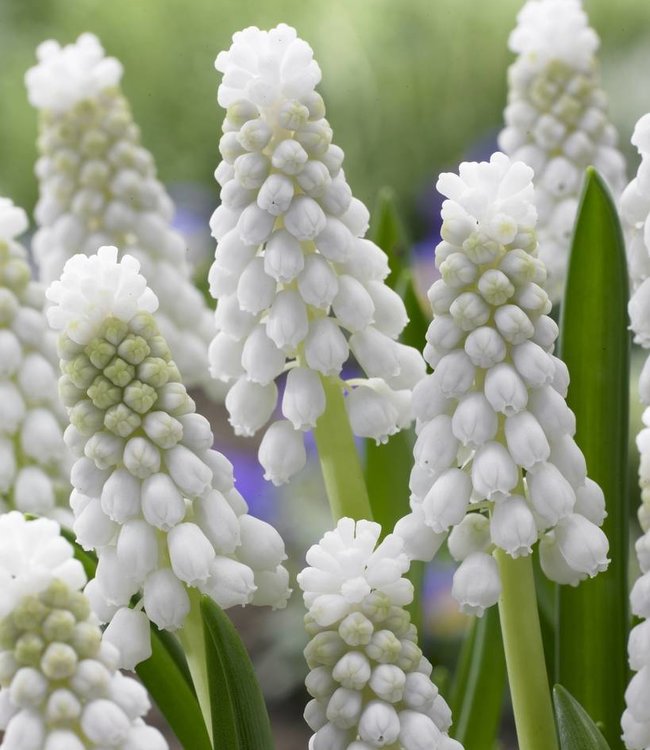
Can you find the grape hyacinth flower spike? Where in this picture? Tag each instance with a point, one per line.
(495, 459)
(370, 683)
(556, 121)
(34, 461)
(60, 688)
(98, 187)
(150, 494)
(298, 287)
(635, 213)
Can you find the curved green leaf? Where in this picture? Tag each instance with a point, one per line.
(239, 716)
(593, 618)
(576, 729)
(388, 230)
(476, 698)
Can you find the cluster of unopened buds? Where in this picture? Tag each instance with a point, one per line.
(298, 285)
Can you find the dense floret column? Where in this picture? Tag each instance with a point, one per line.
(98, 187)
(370, 683)
(150, 495)
(298, 286)
(495, 458)
(34, 461)
(556, 121)
(635, 212)
(60, 688)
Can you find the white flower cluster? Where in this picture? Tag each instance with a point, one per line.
(59, 684)
(635, 213)
(370, 683)
(556, 121)
(298, 286)
(98, 187)
(495, 459)
(150, 494)
(34, 461)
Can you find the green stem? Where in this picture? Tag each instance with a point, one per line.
(192, 638)
(339, 460)
(522, 642)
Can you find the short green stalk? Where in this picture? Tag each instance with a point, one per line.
(339, 460)
(522, 642)
(192, 638)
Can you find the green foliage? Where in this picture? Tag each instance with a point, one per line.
(239, 717)
(593, 618)
(576, 729)
(476, 697)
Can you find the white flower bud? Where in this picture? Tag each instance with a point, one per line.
(190, 553)
(230, 582)
(325, 347)
(317, 283)
(255, 225)
(578, 549)
(250, 405)
(494, 472)
(276, 194)
(287, 323)
(476, 585)
(533, 364)
(375, 352)
(471, 535)
(526, 440)
(128, 631)
(137, 548)
(163, 505)
(261, 358)
(474, 421)
(141, 458)
(550, 494)
(120, 496)
(105, 723)
(353, 306)
(379, 724)
(436, 447)
(255, 289)
(334, 241)
(352, 670)
(283, 257)
(305, 218)
(590, 502)
(418, 731)
(188, 471)
(455, 374)
(446, 502)
(552, 412)
(282, 452)
(485, 347)
(505, 390)
(420, 541)
(512, 526)
(419, 691)
(165, 599)
(303, 400)
(344, 708)
(569, 459)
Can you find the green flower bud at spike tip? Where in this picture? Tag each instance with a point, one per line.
(59, 683)
(635, 213)
(369, 680)
(98, 186)
(298, 288)
(556, 121)
(151, 495)
(34, 461)
(495, 459)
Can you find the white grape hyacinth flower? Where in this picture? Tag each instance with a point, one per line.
(370, 683)
(495, 458)
(151, 496)
(298, 287)
(556, 121)
(98, 186)
(60, 688)
(34, 460)
(635, 213)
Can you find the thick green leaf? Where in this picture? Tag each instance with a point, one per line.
(576, 729)
(239, 716)
(168, 685)
(476, 696)
(593, 618)
(164, 673)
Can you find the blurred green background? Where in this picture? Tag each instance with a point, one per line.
(409, 85)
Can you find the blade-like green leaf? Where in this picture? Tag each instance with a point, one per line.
(476, 697)
(575, 728)
(168, 685)
(388, 231)
(165, 673)
(593, 618)
(239, 716)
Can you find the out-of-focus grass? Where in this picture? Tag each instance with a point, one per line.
(409, 84)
